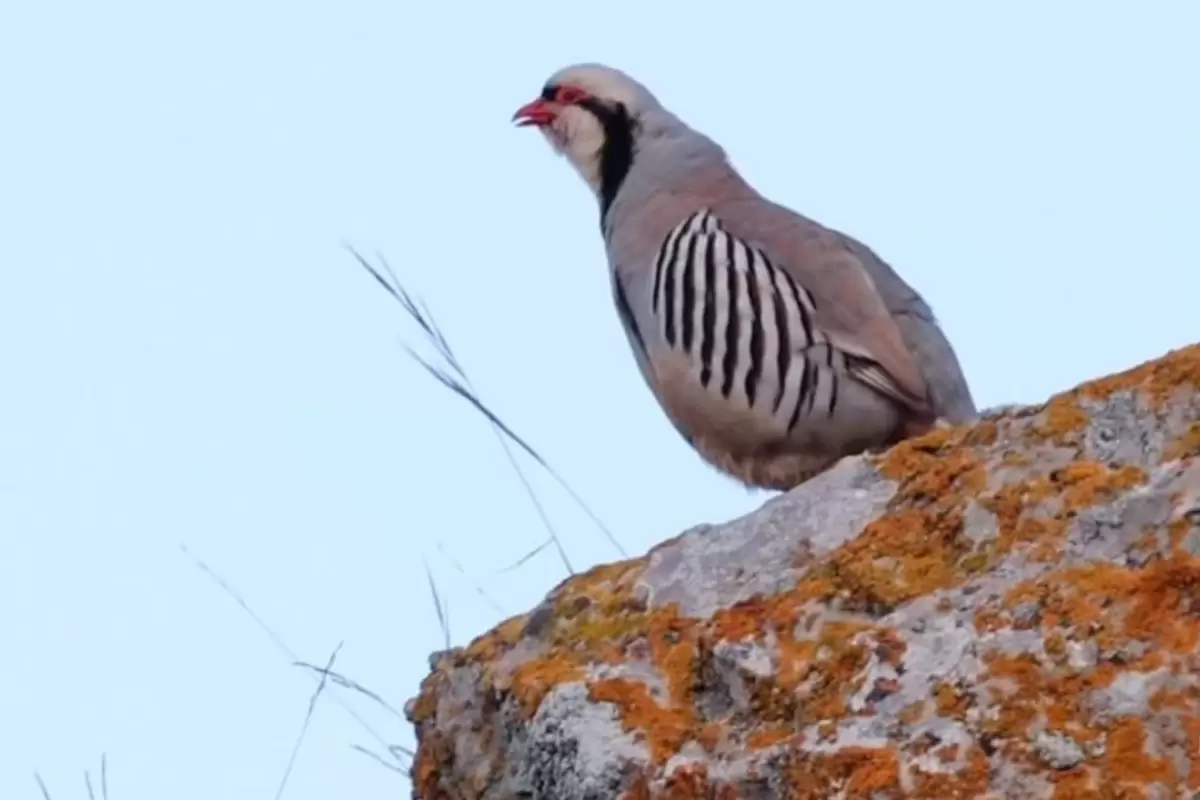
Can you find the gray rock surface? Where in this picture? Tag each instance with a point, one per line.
(1009, 609)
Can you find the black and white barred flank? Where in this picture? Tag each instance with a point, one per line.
(745, 322)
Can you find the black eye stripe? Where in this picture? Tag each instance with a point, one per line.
(616, 156)
(607, 116)
(548, 92)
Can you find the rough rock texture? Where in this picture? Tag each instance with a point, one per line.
(1010, 609)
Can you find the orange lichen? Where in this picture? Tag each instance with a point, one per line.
(745, 620)
(498, 640)
(673, 649)
(689, 782)
(855, 773)
(1048, 536)
(982, 434)
(1177, 531)
(776, 616)
(874, 771)
(931, 466)
(828, 657)
(1164, 700)
(1055, 645)
(768, 736)
(839, 661)
(902, 555)
(595, 633)
(912, 713)
(1186, 446)
(533, 679)
(600, 585)
(1191, 727)
(989, 619)
(639, 787)
(947, 754)
(796, 658)
(1076, 784)
(1015, 458)
(1061, 422)
(1126, 758)
(1156, 603)
(664, 728)
(434, 757)
(1010, 504)
(950, 702)
(1113, 607)
(1019, 687)
(1035, 512)
(1156, 379)
(426, 702)
(916, 547)
(969, 782)
(1166, 603)
(603, 590)
(889, 646)
(1085, 483)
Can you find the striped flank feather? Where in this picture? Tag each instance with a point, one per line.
(747, 326)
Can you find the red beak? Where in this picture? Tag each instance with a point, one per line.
(537, 113)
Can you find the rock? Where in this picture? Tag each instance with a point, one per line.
(1009, 609)
(1060, 752)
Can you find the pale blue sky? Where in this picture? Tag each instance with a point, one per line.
(188, 355)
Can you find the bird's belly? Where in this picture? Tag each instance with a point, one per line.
(834, 414)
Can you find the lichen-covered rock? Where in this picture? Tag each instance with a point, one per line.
(1009, 609)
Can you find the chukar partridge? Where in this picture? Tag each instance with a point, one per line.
(775, 346)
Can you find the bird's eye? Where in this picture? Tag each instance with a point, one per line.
(569, 94)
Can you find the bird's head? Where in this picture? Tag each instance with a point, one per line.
(596, 117)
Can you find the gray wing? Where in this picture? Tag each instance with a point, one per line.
(848, 307)
(919, 327)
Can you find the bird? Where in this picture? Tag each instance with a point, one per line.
(775, 345)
